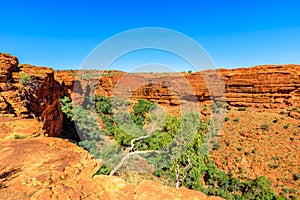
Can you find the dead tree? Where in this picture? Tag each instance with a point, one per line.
(131, 150)
(179, 180)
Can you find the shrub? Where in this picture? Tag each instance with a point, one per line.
(286, 126)
(296, 176)
(242, 108)
(142, 106)
(29, 82)
(25, 79)
(104, 169)
(16, 137)
(284, 112)
(66, 106)
(259, 188)
(216, 146)
(273, 166)
(215, 108)
(225, 185)
(265, 127)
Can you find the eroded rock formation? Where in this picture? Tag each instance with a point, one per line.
(29, 92)
(267, 86)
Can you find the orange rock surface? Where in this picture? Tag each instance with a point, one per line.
(53, 168)
(38, 99)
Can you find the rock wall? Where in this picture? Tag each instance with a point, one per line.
(29, 92)
(263, 86)
(266, 86)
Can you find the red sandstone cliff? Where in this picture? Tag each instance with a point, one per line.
(36, 101)
(267, 86)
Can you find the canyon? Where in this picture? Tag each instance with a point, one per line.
(37, 161)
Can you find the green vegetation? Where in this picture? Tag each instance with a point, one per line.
(265, 127)
(15, 137)
(242, 108)
(180, 145)
(86, 124)
(296, 109)
(286, 126)
(296, 176)
(25, 79)
(104, 169)
(219, 183)
(236, 120)
(273, 166)
(30, 82)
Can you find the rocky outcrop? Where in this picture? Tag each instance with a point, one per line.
(29, 92)
(8, 65)
(266, 86)
(46, 168)
(53, 168)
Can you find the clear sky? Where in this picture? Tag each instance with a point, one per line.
(235, 33)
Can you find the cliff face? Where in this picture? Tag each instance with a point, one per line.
(262, 86)
(30, 93)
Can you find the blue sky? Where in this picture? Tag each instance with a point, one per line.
(60, 34)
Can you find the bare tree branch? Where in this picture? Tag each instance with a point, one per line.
(177, 174)
(179, 180)
(127, 156)
(131, 151)
(137, 139)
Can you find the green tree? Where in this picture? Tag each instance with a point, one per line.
(86, 124)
